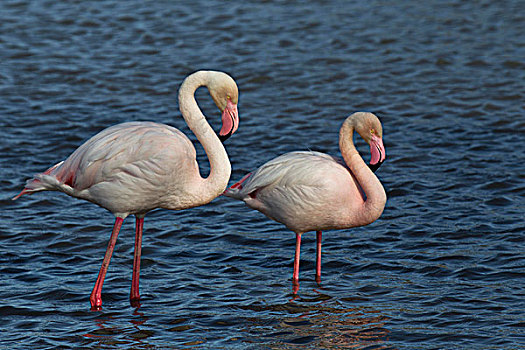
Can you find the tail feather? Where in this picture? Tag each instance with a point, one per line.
(24, 191)
(40, 182)
(32, 185)
(236, 187)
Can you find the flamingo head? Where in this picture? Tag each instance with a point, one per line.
(371, 130)
(225, 94)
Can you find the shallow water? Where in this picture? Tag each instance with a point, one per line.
(443, 268)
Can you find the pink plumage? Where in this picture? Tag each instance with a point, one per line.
(312, 191)
(133, 168)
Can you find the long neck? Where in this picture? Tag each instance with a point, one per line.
(220, 168)
(370, 184)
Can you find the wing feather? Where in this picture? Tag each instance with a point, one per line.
(291, 170)
(136, 149)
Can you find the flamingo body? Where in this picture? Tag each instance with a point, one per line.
(135, 167)
(129, 168)
(306, 191)
(313, 191)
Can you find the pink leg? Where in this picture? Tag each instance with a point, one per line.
(296, 262)
(96, 294)
(318, 260)
(135, 296)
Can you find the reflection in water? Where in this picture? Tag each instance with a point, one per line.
(108, 333)
(317, 321)
(313, 323)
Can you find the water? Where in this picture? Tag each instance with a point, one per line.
(443, 268)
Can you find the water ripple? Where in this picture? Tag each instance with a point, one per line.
(442, 268)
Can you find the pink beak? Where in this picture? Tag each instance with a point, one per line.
(230, 121)
(378, 152)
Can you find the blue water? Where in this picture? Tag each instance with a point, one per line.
(443, 268)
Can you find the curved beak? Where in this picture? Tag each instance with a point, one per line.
(230, 121)
(377, 151)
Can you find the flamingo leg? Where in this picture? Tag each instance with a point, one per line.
(318, 258)
(96, 294)
(296, 262)
(134, 295)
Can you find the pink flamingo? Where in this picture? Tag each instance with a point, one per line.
(133, 168)
(312, 191)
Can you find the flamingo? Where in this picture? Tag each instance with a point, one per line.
(313, 191)
(135, 167)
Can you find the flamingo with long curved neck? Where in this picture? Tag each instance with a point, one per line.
(133, 168)
(312, 191)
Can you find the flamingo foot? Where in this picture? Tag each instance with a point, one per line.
(135, 303)
(134, 297)
(295, 287)
(96, 302)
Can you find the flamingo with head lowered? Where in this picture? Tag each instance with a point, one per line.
(133, 168)
(312, 191)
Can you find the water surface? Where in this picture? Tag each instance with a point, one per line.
(443, 268)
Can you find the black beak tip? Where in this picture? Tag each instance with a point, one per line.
(375, 166)
(224, 137)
